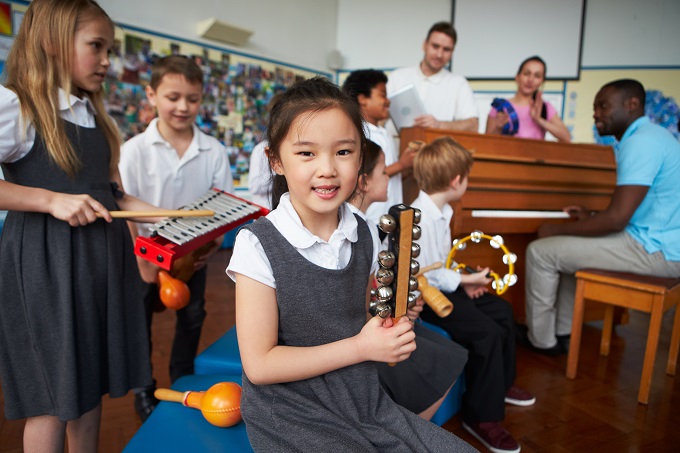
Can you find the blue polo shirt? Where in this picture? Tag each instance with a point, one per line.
(649, 155)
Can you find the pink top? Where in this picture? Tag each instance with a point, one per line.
(528, 128)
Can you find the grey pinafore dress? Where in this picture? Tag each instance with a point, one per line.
(72, 324)
(345, 410)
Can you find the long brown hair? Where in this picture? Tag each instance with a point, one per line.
(39, 63)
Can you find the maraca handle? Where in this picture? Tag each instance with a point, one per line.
(188, 399)
(169, 395)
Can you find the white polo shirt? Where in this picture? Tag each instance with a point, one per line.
(446, 96)
(152, 170)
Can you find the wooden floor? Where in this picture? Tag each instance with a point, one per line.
(596, 412)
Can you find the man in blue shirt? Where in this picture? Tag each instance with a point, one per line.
(638, 232)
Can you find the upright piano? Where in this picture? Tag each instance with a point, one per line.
(515, 186)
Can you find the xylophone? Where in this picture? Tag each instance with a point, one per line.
(175, 237)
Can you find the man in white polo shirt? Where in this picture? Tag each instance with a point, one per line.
(447, 97)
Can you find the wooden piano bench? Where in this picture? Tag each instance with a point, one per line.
(648, 294)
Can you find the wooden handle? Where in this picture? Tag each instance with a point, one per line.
(434, 298)
(161, 213)
(169, 395)
(429, 268)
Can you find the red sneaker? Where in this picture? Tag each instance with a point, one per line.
(494, 437)
(519, 397)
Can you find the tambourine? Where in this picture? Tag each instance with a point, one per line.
(503, 105)
(499, 284)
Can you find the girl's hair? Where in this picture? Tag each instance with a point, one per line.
(309, 96)
(534, 58)
(439, 163)
(371, 155)
(40, 62)
(178, 65)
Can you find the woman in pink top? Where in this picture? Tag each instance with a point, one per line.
(534, 116)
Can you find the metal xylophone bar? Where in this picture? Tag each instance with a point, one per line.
(173, 238)
(183, 230)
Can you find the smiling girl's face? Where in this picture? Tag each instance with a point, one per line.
(320, 158)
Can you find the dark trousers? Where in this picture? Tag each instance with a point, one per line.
(485, 327)
(187, 327)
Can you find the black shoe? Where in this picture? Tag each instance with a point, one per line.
(145, 403)
(522, 337)
(563, 342)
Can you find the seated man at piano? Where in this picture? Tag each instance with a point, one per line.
(638, 232)
(483, 323)
(170, 165)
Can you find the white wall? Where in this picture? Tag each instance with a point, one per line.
(632, 33)
(299, 32)
(385, 34)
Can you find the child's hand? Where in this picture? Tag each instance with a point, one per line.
(202, 260)
(474, 284)
(476, 278)
(406, 158)
(381, 341)
(474, 291)
(77, 210)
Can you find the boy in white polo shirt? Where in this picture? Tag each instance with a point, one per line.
(170, 165)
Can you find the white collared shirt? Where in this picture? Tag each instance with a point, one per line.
(151, 169)
(435, 242)
(17, 138)
(382, 138)
(260, 176)
(248, 257)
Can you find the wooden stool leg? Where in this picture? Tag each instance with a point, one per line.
(576, 329)
(607, 329)
(675, 343)
(652, 345)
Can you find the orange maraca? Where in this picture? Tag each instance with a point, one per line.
(220, 404)
(174, 293)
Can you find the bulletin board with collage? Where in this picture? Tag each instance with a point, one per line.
(237, 87)
(236, 90)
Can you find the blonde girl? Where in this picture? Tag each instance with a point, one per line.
(71, 323)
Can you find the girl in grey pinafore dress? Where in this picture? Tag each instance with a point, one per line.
(72, 325)
(345, 410)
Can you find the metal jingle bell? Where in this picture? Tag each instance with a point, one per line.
(384, 293)
(415, 267)
(386, 259)
(384, 276)
(387, 224)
